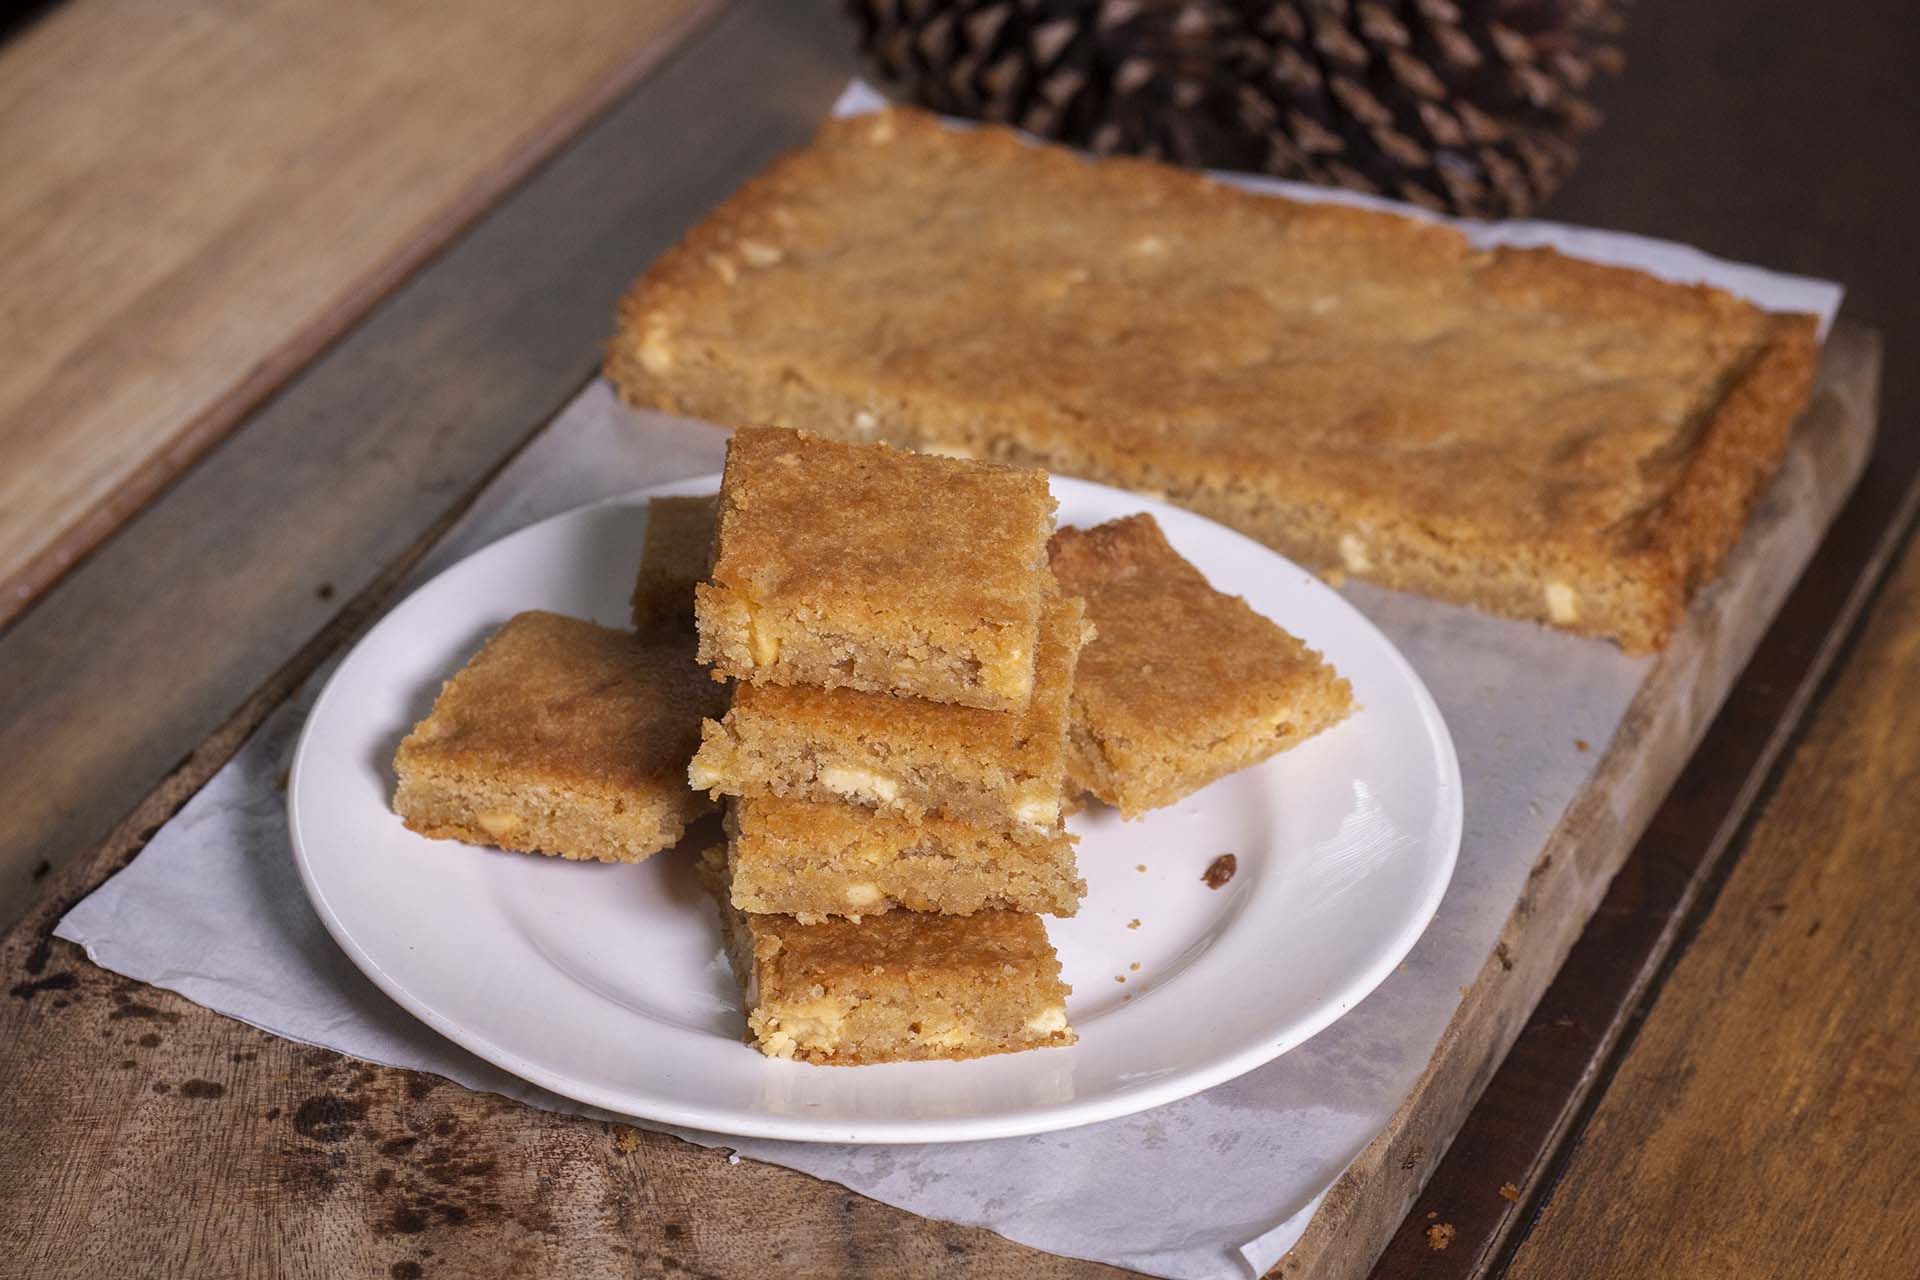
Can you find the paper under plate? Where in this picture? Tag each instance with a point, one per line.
(607, 983)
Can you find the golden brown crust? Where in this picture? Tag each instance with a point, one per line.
(1687, 539)
(865, 567)
(1181, 684)
(559, 699)
(1537, 435)
(560, 737)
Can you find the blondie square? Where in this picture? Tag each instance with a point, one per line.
(864, 567)
(1004, 769)
(1181, 684)
(561, 737)
(1529, 433)
(812, 860)
(675, 556)
(900, 987)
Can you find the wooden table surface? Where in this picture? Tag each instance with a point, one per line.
(174, 243)
(276, 398)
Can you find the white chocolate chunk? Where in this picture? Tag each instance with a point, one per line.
(812, 1024)
(703, 774)
(764, 643)
(655, 356)
(499, 823)
(1353, 554)
(1562, 605)
(859, 784)
(1040, 814)
(1048, 1021)
(953, 1037)
(1012, 678)
(759, 253)
(776, 1044)
(862, 894)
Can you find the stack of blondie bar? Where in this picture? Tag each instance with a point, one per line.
(897, 676)
(895, 755)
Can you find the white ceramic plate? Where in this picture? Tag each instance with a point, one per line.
(607, 983)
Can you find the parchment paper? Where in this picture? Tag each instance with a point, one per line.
(1218, 1185)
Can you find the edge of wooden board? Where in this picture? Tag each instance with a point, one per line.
(1689, 854)
(215, 420)
(1666, 719)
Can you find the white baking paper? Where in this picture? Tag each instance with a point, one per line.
(1217, 1185)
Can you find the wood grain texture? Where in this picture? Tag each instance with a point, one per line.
(161, 1140)
(140, 653)
(198, 198)
(1763, 1121)
(1511, 1144)
(1656, 736)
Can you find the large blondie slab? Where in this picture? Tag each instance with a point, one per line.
(1529, 433)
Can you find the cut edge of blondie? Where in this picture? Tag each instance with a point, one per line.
(888, 989)
(812, 861)
(560, 821)
(765, 645)
(832, 745)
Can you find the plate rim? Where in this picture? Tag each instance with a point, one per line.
(1041, 1118)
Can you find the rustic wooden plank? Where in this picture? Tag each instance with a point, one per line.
(142, 651)
(1601, 827)
(161, 1140)
(1700, 145)
(1762, 1121)
(199, 199)
(1513, 1137)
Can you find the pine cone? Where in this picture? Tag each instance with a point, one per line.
(1466, 106)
